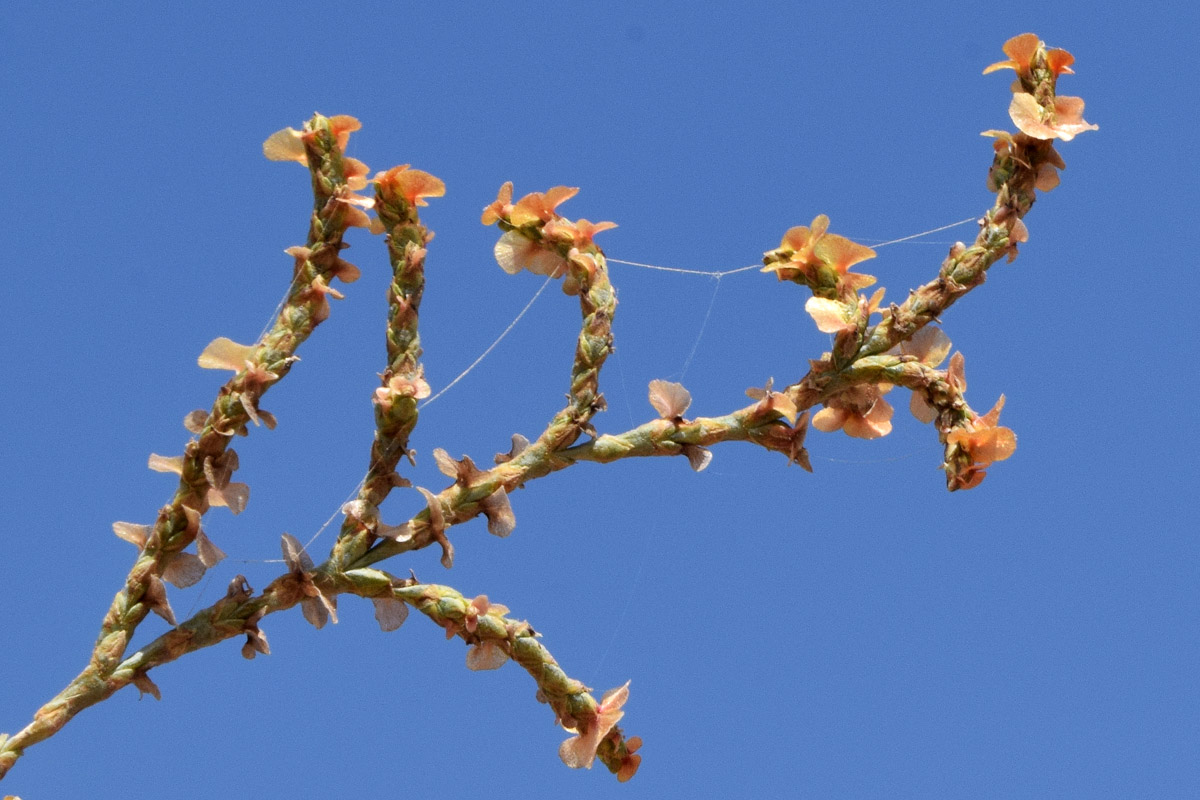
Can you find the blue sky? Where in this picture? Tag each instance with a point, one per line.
(858, 632)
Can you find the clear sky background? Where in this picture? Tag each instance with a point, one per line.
(858, 632)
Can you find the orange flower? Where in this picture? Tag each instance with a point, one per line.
(501, 207)
(1065, 121)
(341, 127)
(288, 144)
(803, 250)
(540, 206)
(984, 442)
(578, 233)
(1021, 51)
(413, 185)
(860, 411)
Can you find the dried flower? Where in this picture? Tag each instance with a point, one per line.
(498, 510)
(390, 612)
(256, 640)
(316, 606)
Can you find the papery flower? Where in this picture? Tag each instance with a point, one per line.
(586, 267)
(860, 411)
(930, 345)
(578, 233)
(580, 750)
(155, 598)
(804, 249)
(770, 400)
(390, 612)
(256, 640)
(341, 126)
(669, 399)
(984, 442)
(413, 185)
(223, 353)
(1021, 51)
(486, 655)
(288, 144)
(830, 315)
(501, 207)
(498, 510)
(540, 206)
(519, 444)
(514, 253)
(1065, 121)
(355, 173)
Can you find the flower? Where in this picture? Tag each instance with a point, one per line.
(630, 761)
(578, 233)
(580, 750)
(804, 250)
(501, 207)
(1022, 50)
(288, 144)
(929, 346)
(984, 442)
(860, 411)
(1034, 154)
(669, 399)
(514, 253)
(1064, 121)
(413, 185)
(318, 608)
(540, 206)
(770, 400)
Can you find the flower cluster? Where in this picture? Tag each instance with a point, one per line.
(1035, 109)
(537, 238)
